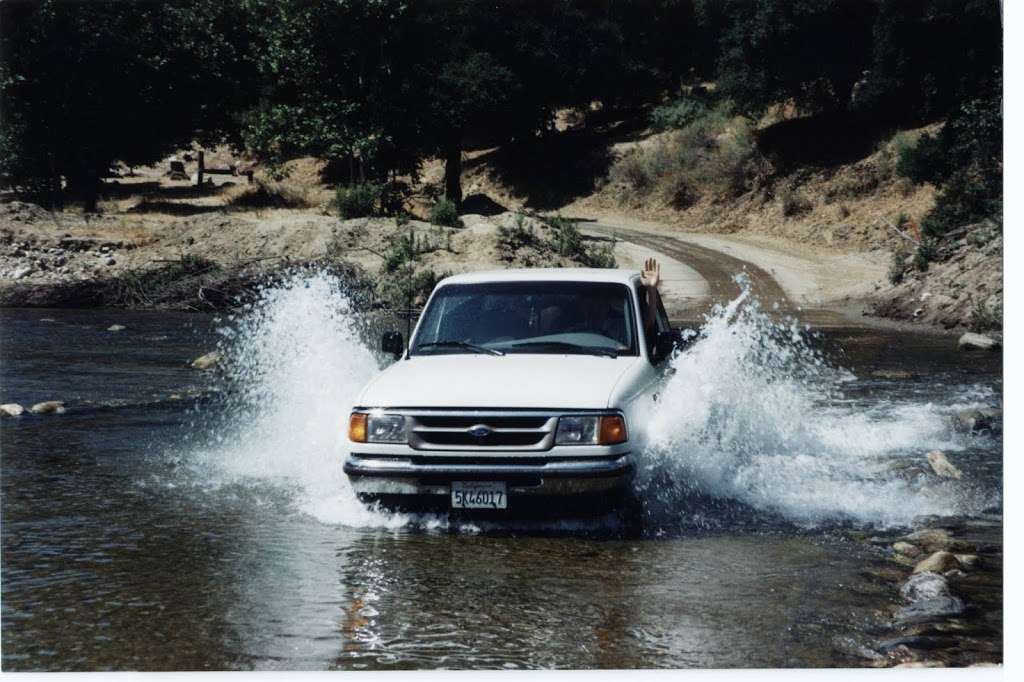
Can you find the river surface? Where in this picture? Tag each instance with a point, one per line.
(180, 520)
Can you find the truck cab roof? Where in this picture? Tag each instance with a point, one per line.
(621, 276)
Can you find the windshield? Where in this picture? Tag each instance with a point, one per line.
(528, 317)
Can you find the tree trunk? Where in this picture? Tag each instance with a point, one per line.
(85, 188)
(453, 171)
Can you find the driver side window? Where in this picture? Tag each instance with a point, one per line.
(661, 323)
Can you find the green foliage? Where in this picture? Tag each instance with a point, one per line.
(404, 288)
(142, 286)
(981, 237)
(927, 56)
(897, 266)
(971, 179)
(408, 245)
(602, 256)
(519, 235)
(808, 51)
(922, 160)
(965, 161)
(925, 254)
(444, 212)
(87, 84)
(568, 243)
(567, 240)
(677, 114)
(358, 201)
(715, 154)
(794, 203)
(262, 194)
(985, 318)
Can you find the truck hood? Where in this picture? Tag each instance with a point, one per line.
(491, 381)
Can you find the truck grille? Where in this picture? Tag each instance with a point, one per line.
(482, 430)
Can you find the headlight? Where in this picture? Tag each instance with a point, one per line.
(603, 430)
(376, 428)
(576, 431)
(385, 428)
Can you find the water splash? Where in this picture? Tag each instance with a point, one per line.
(754, 414)
(296, 362)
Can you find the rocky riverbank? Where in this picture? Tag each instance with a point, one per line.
(946, 578)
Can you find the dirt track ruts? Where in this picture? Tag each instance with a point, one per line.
(719, 270)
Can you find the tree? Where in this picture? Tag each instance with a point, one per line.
(930, 55)
(810, 52)
(87, 84)
(383, 85)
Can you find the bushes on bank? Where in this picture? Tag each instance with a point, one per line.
(965, 162)
(358, 201)
(713, 154)
(444, 212)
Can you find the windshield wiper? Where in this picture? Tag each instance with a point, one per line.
(571, 347)
(459, 344)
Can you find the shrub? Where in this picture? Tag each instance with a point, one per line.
(263, 194)
(920, 160)
(632, 171)
(897, 266)
(445, 213)
(141, 287)
(568, 242)
(714, 153)
(794, 203)
(966, 162)
(404, 288)
(602, 256)
(677, 114)
(925, 254)
(980, 237)
(519, 235)
(407, 246)
(984, 318)
(358, 201)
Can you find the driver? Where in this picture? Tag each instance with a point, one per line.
(607, 317)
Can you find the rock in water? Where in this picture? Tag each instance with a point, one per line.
(972, 341)
(208, 361)
(939, 562)
(942, 466)
(977, 419)
(968, 561)
(930, 609)
(116, 328)
(924, 586)
(48, 407)
(929, 539)
(907, 549)
(11, 410)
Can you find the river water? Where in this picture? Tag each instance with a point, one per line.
(179, 520)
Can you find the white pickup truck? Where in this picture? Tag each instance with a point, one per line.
(519, 389)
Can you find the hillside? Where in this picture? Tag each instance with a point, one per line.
(827, 233)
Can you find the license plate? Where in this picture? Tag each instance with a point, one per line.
(479, 495)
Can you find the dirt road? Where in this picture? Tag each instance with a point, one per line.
(815, 292)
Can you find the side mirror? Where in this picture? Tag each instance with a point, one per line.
(665, 343)
(671, 340)
(392, 342)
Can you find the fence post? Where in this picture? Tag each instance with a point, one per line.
(202, 167)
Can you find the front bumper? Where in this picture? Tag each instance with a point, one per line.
(375, 476)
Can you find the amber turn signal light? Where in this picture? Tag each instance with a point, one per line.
(611, 430)
(357, 427)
